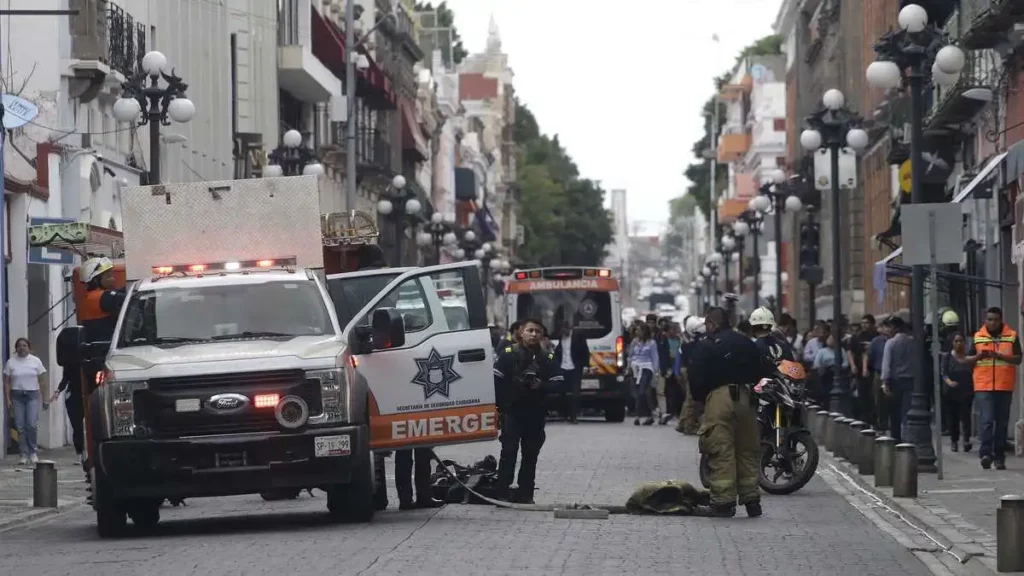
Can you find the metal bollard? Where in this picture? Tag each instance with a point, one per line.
(44, 485)
(885, 451)
(866, 452)
(820, 422)
(904, 471)
(830, 430)
(1010, 534)
(853, 442)
(842, 437)
(812, 419)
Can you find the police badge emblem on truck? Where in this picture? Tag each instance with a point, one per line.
(435, 374)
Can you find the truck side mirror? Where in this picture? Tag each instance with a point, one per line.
(388, 329)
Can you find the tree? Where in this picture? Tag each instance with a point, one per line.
(563, 214)
(699, 173)
(446, 19)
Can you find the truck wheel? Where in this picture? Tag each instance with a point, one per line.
(615, 412)
(354, 502)
(110, 515)
(145, 515)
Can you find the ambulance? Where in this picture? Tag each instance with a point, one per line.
(235, 369)
(587, 298)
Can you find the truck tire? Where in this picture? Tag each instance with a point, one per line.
(615, 412)
(145, 514)
(111, 518)
(354, 502)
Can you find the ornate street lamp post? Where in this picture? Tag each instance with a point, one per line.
(835, 126)
(293, 158)
(775, 197)
(906, 59)
(439, 232)
(399, 205)
(149, 103)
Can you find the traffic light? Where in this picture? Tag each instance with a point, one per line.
(810, 252)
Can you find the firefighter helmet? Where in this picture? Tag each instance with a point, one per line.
(93, 268)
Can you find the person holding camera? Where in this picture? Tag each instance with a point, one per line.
(523, 373)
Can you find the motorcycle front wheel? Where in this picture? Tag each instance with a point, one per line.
(795, 470)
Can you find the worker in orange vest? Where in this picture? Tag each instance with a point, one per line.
(995, 353)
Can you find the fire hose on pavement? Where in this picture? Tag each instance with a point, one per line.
(575, 510)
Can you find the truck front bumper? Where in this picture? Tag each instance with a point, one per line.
(228, 464)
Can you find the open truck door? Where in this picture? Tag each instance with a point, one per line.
(430, 380)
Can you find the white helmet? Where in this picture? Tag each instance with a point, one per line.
(762, 317)
(694, 325)
(93, 267)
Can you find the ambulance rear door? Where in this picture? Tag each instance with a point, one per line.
(437, 388)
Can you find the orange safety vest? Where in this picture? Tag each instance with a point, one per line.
(89, 306)
(992, 374)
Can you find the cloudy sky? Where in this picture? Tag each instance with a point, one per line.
(621, 83)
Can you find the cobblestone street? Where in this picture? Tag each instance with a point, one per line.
(815, 531)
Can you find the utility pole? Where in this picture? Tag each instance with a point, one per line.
(350, 106)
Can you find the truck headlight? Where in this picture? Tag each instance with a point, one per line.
(120, 413)
(334, 396)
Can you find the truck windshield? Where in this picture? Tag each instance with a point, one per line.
(590, 312)
(169, 316)
(351, 293)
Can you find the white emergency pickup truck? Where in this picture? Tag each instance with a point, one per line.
(230, 373)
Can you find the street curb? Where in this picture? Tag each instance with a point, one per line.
(980, 557)
(36, 514)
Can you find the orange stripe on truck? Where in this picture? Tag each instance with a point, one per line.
(603, 363)
(433, 427)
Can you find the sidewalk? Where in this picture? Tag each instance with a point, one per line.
(959, 511)
(16, 487)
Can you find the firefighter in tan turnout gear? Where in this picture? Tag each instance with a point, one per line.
(725, 367)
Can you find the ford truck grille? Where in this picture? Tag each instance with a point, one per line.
(156, 407)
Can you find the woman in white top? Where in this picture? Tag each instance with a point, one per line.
(25, 387)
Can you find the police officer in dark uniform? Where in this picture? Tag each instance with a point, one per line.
(523, 373)
(725, 367)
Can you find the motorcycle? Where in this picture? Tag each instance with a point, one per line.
(786, 445)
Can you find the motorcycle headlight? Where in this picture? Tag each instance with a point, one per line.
(120, 405)
(334, 396)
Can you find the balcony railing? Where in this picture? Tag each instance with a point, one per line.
(732, 147)
(373, 149)
(102, 31)
(985, 23)
(127, 41)
(958, 103)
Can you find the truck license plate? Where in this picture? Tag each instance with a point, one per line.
(325, 446)
(590, 385)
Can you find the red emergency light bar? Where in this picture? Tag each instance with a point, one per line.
(563, 274)
(233, 266)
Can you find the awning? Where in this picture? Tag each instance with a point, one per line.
(412, 135)
(989, 168)
(964, 193)
(329, 48)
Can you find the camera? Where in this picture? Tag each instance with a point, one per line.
(530, 374)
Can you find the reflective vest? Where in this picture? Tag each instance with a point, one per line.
(992, 374)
